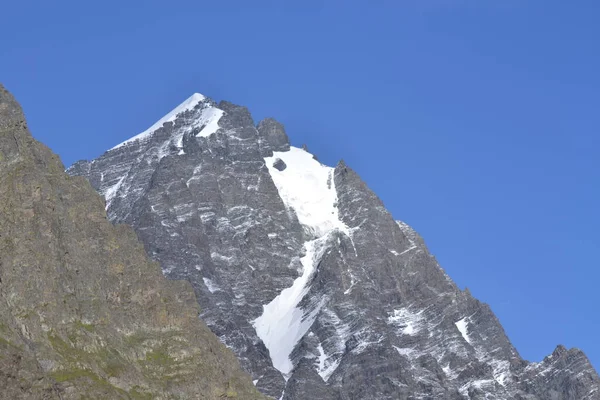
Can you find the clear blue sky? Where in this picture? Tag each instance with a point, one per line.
(477, 122)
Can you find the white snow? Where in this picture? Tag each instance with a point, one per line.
(447, 370)
(409, 322)
(110, 192)
(501, 371)
(407, 250)
(188, 104)
(337, 343)
(394, 252)
(212, 287)
(462, 326)
(365, 338)
(327, 364)
(282, 324)
(352, 282)
(322, 359)
(404, 351)
(306, 187)
(210, 120)
(479, 384)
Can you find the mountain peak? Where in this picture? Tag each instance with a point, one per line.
(83, 311)
(304, 274)
(189, 104)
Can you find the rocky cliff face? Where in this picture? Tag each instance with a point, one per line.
(303, 273)
(83, 312)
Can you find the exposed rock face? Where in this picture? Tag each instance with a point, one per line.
(304, 274)
(272, 136)
(83, 312)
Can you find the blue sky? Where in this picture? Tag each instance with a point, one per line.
(477, 122)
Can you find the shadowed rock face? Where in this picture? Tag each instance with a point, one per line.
(83, 312)
(304, 274)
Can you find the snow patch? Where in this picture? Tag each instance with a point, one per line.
(282, 324)
(407, 250)
(209, 121)
(212, 287)
(110, 193)
(365, 338)
(352, 282)
(409, 322)
(478, 384)
(462, 326)
(327, 364)
(404, 351)
(188, 104)
(501, 371)
(336, 343)
(306, 187)
(217, 257)
(322, 359)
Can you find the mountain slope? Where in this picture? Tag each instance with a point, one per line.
(83, 312)
(303, 273)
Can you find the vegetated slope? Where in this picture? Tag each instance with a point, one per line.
(83, 312)
(303, 273)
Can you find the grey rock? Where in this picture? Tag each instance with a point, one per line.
(383, 320)
(84, 314)
(305, 383)
(272, 136)
(279, 164)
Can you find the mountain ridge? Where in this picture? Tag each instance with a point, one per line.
(221, 211)
(83, 312)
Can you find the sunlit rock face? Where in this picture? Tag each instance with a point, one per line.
(303, 273)
(84, 314)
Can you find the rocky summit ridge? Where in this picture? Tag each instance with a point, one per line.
(302, 272)
(84, 314)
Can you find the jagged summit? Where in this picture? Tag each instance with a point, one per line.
(303, 273)
(198, 118)
(207, 121)
(272, 131)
